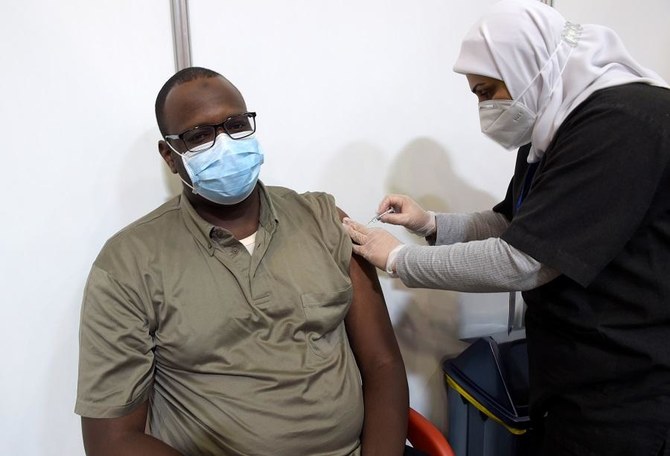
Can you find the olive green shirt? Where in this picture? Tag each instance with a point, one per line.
(238, 354)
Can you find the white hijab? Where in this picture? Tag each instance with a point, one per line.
(547, 63)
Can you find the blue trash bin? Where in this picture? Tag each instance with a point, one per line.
(487, 398)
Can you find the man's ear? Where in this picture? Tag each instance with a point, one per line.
(166, 153)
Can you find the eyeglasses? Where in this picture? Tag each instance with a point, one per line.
(202, 137)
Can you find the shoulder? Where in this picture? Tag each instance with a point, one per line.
(285, 193)
(311, 212)
(633, 95)
(161, 215)
(641, 104)
(140, 236)
(320, 203)
(614, 122)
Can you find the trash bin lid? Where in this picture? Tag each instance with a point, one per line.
(492, 375)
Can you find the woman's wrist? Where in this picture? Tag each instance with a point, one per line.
(391, 261)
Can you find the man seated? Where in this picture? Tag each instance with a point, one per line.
(233, 319)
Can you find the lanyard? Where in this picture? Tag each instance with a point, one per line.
(526, 185)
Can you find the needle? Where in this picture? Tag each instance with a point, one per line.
(377, 218)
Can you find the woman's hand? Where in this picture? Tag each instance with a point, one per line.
(373, 244)
(407, 213)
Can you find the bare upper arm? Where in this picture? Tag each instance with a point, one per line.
(123, 435)
(368, 323)
(98, 431)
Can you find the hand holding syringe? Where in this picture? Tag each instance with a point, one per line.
(407, 213)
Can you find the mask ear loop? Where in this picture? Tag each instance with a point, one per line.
(182, 156)
(570, 35)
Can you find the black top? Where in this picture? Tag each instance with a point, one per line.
(598, 211)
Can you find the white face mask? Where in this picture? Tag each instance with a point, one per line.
(508, 123)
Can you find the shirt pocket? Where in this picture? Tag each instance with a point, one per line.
(324, 314)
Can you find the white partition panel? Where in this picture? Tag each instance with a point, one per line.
(79, 161)
(643, 26)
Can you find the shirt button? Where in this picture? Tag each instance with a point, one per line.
(235, 250)
(217, 233)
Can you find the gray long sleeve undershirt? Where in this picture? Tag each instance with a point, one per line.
(469, 256)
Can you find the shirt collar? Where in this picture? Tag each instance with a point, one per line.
(202, 229)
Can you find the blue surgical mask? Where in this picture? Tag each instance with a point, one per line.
(227, 172)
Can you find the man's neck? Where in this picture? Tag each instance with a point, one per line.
(240, 219)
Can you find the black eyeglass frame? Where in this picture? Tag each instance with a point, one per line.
(249, 115)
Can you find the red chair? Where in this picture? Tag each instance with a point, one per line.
(424, 436)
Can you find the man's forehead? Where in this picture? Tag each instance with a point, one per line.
(200, 101)
(202, 89)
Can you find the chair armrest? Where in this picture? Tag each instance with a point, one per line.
(425, 436)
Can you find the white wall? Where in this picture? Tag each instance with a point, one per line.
(79, 161)
(355, 98)
(643, 26)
